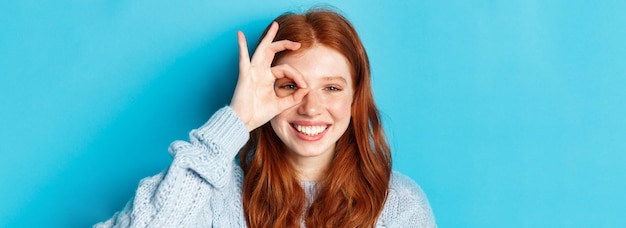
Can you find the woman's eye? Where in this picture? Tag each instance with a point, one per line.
(285, 89)
(333, 88)
(289, 86)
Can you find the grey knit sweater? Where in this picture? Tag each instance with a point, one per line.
(202, 187)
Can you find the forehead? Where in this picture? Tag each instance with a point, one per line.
(320, 63)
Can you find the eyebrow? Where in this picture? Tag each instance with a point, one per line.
(335, 78)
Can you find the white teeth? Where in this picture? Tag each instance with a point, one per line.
(310, 130)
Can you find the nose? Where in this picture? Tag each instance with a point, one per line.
(311, 105)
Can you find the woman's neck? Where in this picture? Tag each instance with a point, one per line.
(311, 169)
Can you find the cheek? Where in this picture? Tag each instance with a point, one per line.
(279, 119)
(341, 108)
(279, 122)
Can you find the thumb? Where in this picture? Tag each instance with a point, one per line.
(293, 99)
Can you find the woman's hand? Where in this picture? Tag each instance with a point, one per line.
(255, 100)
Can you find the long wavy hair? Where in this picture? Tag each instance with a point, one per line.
(353, 190)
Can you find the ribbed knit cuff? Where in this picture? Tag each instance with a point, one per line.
(225, 124)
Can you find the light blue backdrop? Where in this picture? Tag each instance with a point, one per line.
(507, 113)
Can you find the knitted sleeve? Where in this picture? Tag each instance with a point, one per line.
(406, 205)
(201, 167)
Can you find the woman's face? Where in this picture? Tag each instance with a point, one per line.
(311, 128)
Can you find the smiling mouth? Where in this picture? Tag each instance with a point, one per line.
(310, 130)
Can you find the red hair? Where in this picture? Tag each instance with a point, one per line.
(352, 192)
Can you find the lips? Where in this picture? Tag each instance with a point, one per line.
(310, 130)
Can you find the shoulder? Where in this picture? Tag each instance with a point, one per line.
(402, 183)
(407, 204)
(404, 188)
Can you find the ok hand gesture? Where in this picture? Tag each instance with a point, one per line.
(255, 100)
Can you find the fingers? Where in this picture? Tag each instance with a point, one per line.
(267, 49)
(265, 55)
(293, 99)
(271, 33)
(279, 46)
(282, 45)
(287, 71)
(299, 95)
(244, 56)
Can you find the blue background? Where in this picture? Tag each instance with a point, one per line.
(507, 113)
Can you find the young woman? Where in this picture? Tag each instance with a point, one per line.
(312, 151)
